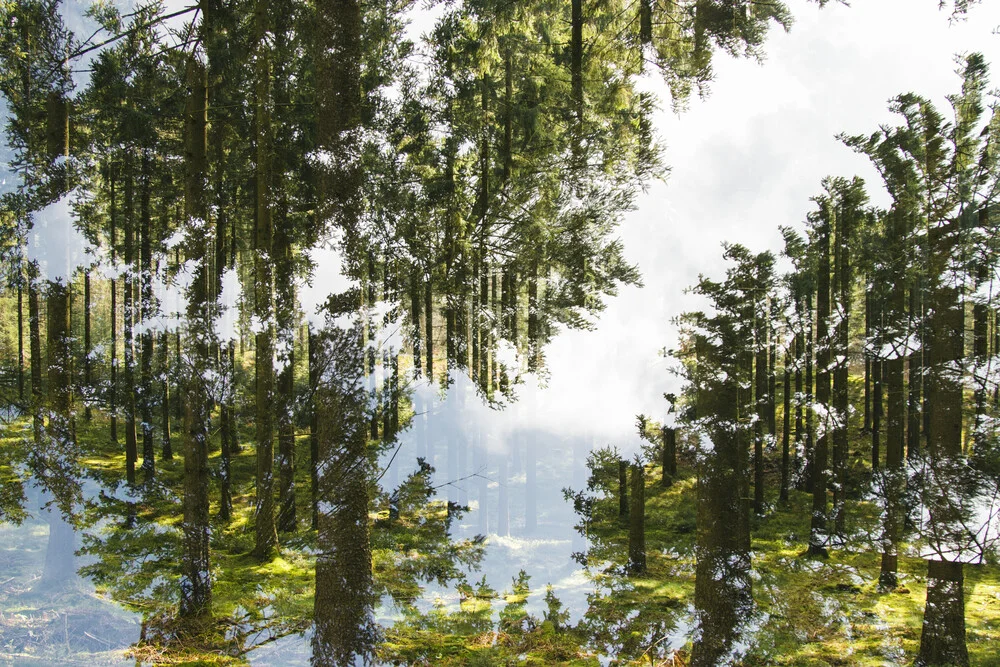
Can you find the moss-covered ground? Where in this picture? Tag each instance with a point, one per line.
(810, 612)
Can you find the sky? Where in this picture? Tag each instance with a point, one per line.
(743, 161)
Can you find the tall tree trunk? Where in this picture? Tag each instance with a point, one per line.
(313, 359)
(820, 458)
(867, 424)
(800, 361)
(878, 402)
(809, 407)
(723, 588)
(59, 449)
(265, 531)
(844, 282)
(112, 243)
(760, 401)
(20, 335)
(344, 605)
(196, 582)
(285, 310)
(786, 428)
(146, 314)
(35, 352)
(128, 324)
(980, 349)
(87, 345)
(942, 639)
(916, 374)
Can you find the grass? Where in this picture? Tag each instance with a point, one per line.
(809, 612)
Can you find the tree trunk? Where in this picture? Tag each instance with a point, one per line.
(646, 22)
(128, 325)
(112, 242)
(146, 314)
(59, 448)
(786, 428)
(916, 374)
(807, 475)
(820, 458)
(636, 526)
(723, 588)
(87, 345)
(622, 489)
(844, 282)
(867, 424)
(760, 400)
(942, 640)
(265, 530)
(196, 580)
(167, 448)
(669, 455)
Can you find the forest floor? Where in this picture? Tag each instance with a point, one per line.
(810, 612)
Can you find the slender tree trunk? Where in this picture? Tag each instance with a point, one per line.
(800, 360)
(786, 428)
(112, 242)
(128, 326)
(429, 336)
(868, 361)
(636, 526)
(313, 429)
(916, 379)
(167, 448)
(877, 410)
(20, 336)
(980, 350)
(196, 580)
(669, 456)
(622, 489)
(844, 282)
(809, 407)
(60, 445)
(87, 345)
(146, 314)
(265, 530)
(761, 400)
(35, 352)
(820, 459)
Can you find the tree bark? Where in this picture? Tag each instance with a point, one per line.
(196, 581)
(786, 428)
(820, 459)
(622, 489)
(669, 456)
(145, 314)
(265, 530)
(637, 527)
